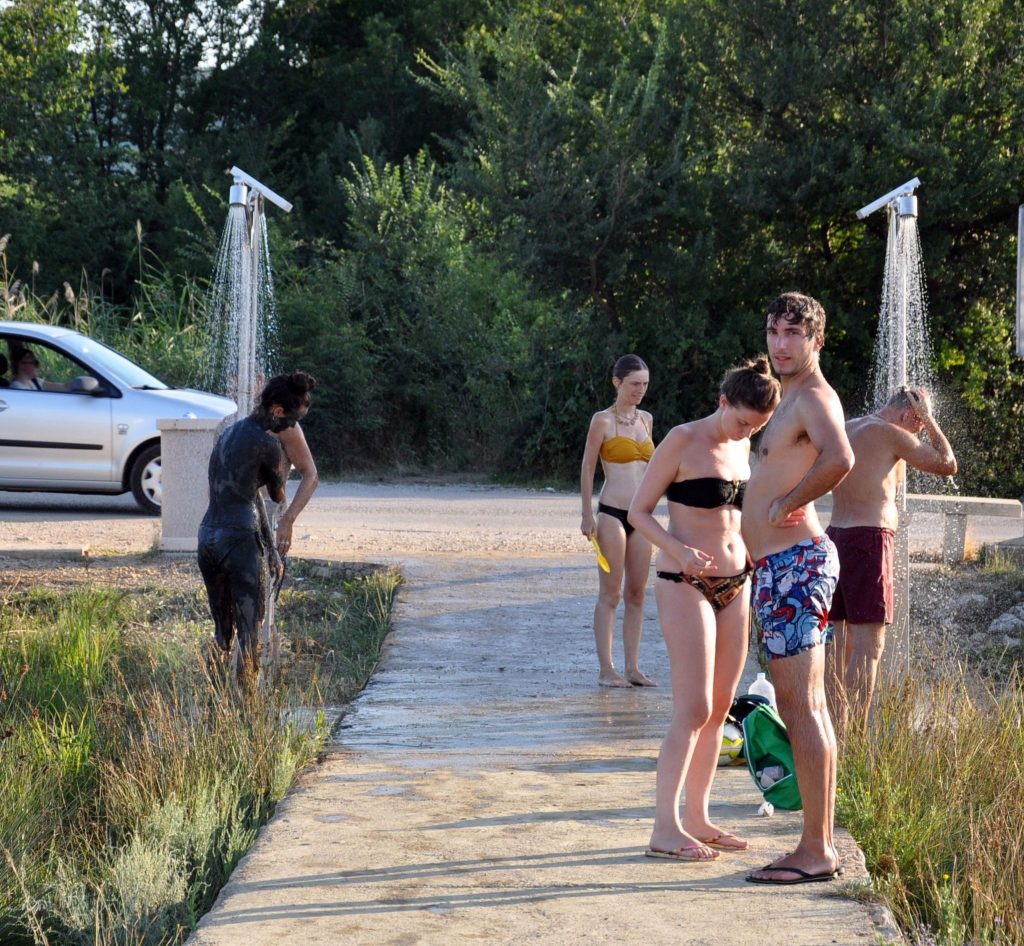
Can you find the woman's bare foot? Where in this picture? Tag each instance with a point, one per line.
(639, 679)
(612, 678)
(680, 847)
(724, 841)
(719, 838)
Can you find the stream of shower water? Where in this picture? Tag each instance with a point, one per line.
(903, 345)
(241, 341)
(242, 317)
(902, 357)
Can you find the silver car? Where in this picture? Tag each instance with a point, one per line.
(89, 424)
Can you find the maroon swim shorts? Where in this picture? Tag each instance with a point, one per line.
(864, 593)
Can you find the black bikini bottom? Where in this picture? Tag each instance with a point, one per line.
(719, 591)
(621, 514)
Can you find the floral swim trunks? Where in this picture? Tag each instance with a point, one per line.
(792, 594)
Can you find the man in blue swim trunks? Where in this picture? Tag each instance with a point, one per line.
(803, 453)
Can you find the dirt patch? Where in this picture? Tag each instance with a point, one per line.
(176, 573)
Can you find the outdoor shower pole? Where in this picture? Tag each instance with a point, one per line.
(1020, 281)
(248, 329)
(901, 320)
(897, 654)
(249, 193)
(252, 194)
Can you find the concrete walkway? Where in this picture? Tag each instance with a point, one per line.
(482, 789)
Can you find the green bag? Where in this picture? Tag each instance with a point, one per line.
(766, 744)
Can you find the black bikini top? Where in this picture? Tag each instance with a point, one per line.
(707, 492)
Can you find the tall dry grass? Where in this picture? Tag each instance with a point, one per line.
(934, 794)
(161, 328)
(133, 776)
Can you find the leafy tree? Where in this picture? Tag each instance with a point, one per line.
(417, 335)
(47, 155)
(42, 80)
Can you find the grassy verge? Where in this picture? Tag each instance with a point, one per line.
(132, 778)
(934, 794)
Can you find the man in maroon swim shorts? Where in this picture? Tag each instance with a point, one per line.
(864, 593)
(863, 524)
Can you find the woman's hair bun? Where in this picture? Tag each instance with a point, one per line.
(303, 382)
(752, 385)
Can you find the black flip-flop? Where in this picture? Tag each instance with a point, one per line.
(803, 878)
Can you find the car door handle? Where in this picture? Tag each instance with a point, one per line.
(3, 405)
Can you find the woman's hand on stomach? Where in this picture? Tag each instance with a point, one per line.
(685, 559)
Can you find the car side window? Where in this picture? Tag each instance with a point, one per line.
(53, 366)
(33, 365)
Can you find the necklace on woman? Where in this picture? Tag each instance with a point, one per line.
(626, 421)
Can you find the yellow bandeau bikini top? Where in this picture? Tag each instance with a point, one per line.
(619, 449)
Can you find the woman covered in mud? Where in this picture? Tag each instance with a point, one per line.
(236, 546)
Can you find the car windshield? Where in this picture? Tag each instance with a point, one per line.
(110, 361)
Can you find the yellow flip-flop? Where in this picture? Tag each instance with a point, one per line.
(602, 562)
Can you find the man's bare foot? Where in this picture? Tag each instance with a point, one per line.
(612, 678)
(640, 679)
(786, 871)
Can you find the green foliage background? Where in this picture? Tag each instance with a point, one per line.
(493, 200)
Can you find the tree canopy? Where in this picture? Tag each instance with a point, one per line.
(493, 200)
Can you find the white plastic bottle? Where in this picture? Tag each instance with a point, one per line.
(763, 687)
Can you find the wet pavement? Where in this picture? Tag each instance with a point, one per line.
(483, 789)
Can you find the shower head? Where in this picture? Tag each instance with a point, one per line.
(241, 178)
(906, 205)
(906, 208)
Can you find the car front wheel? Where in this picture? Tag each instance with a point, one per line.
(146, 480)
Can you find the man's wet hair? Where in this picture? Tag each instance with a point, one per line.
(291, 391)
(798, 309)
(900, 398)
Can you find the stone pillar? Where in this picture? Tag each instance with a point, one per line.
(185, 448)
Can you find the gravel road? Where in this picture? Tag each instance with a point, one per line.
(382, 521)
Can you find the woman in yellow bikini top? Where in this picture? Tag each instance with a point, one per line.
(620, 437)
(621, 449)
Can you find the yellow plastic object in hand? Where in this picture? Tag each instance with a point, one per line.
(602, 562)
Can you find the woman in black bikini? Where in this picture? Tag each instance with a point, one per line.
(621, 437)
(701, 468)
